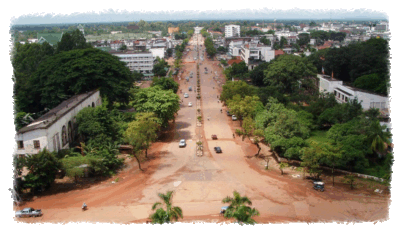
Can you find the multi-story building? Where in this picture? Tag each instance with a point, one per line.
(56, 129)
(234, 47)
(252, 53)
(137, 61)
(232, 30)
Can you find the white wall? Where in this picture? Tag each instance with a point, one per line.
(28, 139)
(45, 136)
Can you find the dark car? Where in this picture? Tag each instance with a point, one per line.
(218, 149)
(228, 113)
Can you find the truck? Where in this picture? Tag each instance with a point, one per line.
(28, 212)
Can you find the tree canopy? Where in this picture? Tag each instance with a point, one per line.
(73, 72)
(164, 103)
(165, 83)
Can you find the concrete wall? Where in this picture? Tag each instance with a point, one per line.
(48, 136)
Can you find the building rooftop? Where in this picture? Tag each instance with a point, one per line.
(51, 38)
(56, 113)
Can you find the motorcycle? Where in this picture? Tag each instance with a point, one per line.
(84, 207)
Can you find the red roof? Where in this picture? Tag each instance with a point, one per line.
(279, 52)
(237, 61)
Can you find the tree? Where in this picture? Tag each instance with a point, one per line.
(96, 126)
(72, 40)
(171, 213)
(265, 41)
(159, 67)
(43, 168)
(239, 208)
(164, 103)
(231, 89)
(372, 82)
(244, 107)
(123, 47)
(288, 72)
(257, 74)
(282, 166)
(282, 42)
(75, 72)
(143, 131)
(25, 61)
(165, 83)
(169, 52)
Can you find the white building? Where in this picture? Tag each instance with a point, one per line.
(197, 30)
(57, 128)
(345, 93)
(251, 52)
(158, 52)
(232, 30)
(137, 61)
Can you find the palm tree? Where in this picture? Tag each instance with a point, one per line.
(378, 137)
(165, 216)
(239, 210)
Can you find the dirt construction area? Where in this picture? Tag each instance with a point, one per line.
(200, 183)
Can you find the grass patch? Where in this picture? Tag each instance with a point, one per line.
(319, 136)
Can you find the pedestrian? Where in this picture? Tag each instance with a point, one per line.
(233, 135)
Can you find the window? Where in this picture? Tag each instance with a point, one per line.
(92, 104)
(36, 144)
(346, 99)
(20, 144)
(64, 139)
(335, 92)
(21, 156)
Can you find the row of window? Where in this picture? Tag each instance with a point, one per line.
(36, 144)
(341, 96)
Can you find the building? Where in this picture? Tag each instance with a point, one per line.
(344, 93)
(197, 30)
(232, 30)
(173, 30)
(81, 29)
(234, 47)
(51, 38)
(137, 61)
(116, 32)
(252, 54)
(56, 129)
(158, 52)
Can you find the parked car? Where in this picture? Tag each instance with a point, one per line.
(190, 88)
(190, 104)
(318, 185)
(214, 136)
(234, 118)
(186, 95)
(28, 212)
(218, 149)
(228, 113)
(182, 143)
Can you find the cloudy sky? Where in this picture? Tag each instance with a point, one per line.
(100, 11)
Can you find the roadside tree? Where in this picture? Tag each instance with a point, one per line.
(171, 213)
(239, 208)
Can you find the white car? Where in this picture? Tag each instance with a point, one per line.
(190, 104)
(234, 118)
(186, 95)
(182, 143)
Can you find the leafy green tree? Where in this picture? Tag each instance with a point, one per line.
(164, 103)
(239, 208)
(25, 61)
(171, 213)
(282, 42)
(288, 72)
(165, 83)
(75, 72)
(372, 82)
(169, 52)
(304, 39)
(143, 131)
(96, 126)
(244, 107)
(123, 47)
(159, 67)
(265, 41)
(257, 74)
(43, 168)
(231, 89)
(282, 166)
(72, 40)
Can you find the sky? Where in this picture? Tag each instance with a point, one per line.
(74, 11)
